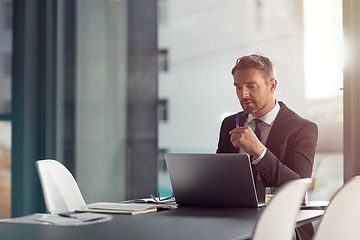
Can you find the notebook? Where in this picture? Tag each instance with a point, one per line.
(212, 180)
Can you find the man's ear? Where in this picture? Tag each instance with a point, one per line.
(273, 84)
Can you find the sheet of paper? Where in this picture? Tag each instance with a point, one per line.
(58, 220)
(31, 219)
(121, 206)
(84, 217)
(54, 219)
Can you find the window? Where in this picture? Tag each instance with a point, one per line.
(163, 65)
(211, 35)
(5, 169)
(85, 93)
(5, 107)
(162, 110)
(113, 108)
(6, 67)
(7, 10)
(109, 91)
(162, 11)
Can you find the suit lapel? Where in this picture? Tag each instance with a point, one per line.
(242, 117)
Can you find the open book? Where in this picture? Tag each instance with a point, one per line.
(120, 208)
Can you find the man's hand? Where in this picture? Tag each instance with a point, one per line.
(245, 138)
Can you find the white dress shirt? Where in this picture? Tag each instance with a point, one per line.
(265, 127)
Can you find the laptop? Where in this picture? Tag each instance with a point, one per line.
(212, 180)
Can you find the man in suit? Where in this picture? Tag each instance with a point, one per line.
(281, 143)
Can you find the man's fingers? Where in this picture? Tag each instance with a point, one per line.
(239, 130)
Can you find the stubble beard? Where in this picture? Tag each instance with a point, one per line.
(256, 110)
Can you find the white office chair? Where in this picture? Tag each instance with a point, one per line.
(61, 192)
(278, 219)
(341, 219)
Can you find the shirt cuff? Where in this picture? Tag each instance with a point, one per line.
(256, 161)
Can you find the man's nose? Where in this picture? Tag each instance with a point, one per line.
(244, 92)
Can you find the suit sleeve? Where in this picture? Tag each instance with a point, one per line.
(224, 144)
(297, 160)
(222, 141)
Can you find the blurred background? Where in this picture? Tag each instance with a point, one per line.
(202, 40)
(136, 79)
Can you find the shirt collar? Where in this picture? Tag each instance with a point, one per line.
(269, 117)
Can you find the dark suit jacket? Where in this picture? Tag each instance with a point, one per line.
(290, 147)
(290, 152)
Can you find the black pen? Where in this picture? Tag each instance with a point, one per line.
(68, 215)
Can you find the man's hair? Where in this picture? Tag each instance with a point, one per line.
(255, 61)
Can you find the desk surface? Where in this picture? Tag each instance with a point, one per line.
(181, 223)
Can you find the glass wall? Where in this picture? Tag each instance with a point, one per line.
(200, 41)
(5, 106)
(136, 79)
(323, 77)
(5, 169)
(100, 97)
(107, 97)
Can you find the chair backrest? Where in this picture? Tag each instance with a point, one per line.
(278, 219)
(341, 219)
(61, 192)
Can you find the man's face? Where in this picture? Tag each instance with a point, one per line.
(255, 94)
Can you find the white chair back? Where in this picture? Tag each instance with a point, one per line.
(61, 192)
(341, 219)
(278, 219)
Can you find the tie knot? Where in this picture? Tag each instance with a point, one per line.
(257, 121)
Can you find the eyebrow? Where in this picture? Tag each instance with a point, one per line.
(247, 83)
